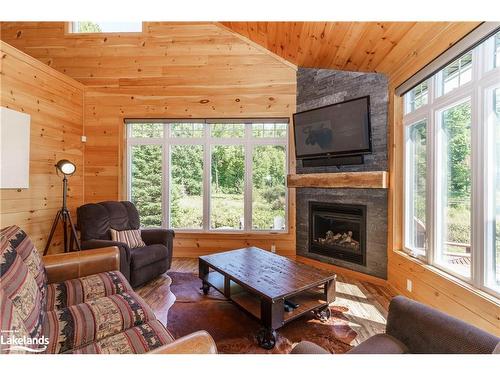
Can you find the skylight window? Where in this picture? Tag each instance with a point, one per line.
(84, 27)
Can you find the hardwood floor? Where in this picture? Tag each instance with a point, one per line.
(367, 302)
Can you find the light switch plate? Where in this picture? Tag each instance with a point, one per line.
(84, 138)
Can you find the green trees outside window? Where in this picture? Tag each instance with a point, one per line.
(208, 167)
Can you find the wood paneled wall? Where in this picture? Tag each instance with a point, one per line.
(430, 286)
(171, 70)
(55, 103)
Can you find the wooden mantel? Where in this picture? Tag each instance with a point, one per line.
(356, 180)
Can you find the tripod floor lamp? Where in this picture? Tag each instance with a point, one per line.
(67, 168)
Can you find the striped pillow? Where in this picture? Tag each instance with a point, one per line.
(131, 237)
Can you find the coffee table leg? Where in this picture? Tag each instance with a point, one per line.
(330, 291)
(203, 274)
(266, 338)
(323, 313)
(271, 316)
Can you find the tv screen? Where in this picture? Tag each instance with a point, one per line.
(337, 129)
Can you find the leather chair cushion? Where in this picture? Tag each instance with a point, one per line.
(143, 256)
(380, 344)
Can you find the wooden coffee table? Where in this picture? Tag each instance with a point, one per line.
(259, 282)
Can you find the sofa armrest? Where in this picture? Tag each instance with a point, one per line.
(307, 347)
(152, 236)
(425, 330)
(65, 266)
(124, 252)
(199, 342)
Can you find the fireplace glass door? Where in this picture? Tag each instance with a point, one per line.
(338, 231)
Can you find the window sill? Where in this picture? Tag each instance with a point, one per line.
(450, 278)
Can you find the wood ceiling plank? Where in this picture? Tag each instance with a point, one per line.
(357, 46)
(391, 37)
(348, 44)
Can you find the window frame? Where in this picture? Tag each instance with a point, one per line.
(484, 77)
(208, 142)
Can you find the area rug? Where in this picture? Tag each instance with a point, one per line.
(234, 330)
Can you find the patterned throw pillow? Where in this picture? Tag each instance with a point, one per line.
(131, 237)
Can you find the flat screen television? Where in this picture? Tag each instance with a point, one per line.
(335, 130)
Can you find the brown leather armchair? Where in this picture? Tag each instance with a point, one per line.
(138, 265)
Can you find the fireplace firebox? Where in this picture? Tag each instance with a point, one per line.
(338, 231)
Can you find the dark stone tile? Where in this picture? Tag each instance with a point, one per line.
(319, 87)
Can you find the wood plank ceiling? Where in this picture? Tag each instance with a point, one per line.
(355, 46)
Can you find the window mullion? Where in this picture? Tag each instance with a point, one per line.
(476, 209)
(433, 191)
(166, 178)
(207, 167)
(431, 173)
(247, 199)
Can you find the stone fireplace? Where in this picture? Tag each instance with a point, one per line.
(359, 209)
(373, 205)
(338, 231)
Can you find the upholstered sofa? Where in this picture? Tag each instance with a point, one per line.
(415, 328)
(138, 265)
(77, 303)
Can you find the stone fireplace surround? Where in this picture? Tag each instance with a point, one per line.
(376, 225)
(319, 87)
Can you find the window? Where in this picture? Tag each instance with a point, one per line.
(146, 180)
(458, 73)
(452, 169)
(492, 256)
(269, 189)
(416, 145)
(453, 188)
(227, 187)
(417, 97)
(209, 175)
(83, 27)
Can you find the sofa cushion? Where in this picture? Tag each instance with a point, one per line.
(131, 237)
(136, 340)
(380, 344)
(25, 248)
(22, 283)
(75, 291)
(144, 256)
(11, 327)
(78, 325)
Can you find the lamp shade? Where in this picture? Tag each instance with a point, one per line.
(66, 167)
